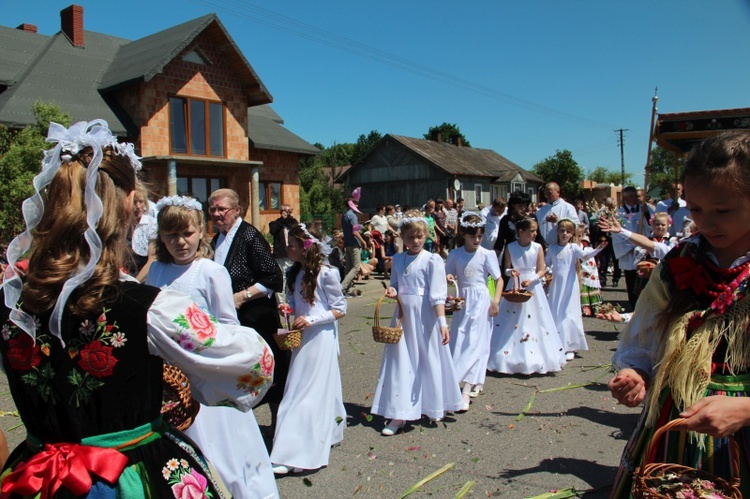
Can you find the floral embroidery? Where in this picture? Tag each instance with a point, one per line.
(199, 330)
(186, 483)
(93, 351)
(266, 362)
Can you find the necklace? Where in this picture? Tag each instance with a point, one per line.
(408, 267)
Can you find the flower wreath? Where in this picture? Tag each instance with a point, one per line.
(185, 201)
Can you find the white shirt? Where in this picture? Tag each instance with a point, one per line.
(491, 227)
(664, 204)
(379, 223)
(224, 242)
(144, 232)
(562, 209)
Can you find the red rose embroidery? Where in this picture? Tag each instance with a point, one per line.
(22, 353)
(97, 359)
(267, 362)
(200, 322)
(687, 274)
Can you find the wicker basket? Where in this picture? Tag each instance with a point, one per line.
(517, 294)
(383, 334)
(455, 303)
(178, 406)
(648, 475)
(293, 339)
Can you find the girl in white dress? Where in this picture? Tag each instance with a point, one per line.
(564, 292)
(311, 417)
(525, 339)
(417, 375)
(230, 439)
(471, 329)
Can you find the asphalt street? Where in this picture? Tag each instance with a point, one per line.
(524, 436)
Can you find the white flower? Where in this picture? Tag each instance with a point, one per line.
(166, 473)
(86, 328)
(172, 464)
(6, 332)
(118, 340)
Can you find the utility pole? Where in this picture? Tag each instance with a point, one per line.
(621, 143)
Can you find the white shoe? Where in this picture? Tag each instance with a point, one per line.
(393, 427)
(466, 399)
(280, 469)
(570, 355)
(476, 391)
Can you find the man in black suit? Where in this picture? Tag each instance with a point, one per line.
(245, 253)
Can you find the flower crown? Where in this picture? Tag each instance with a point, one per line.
(481, 223)
(411, 220)
(69, 142)
(325, 249)
(185, 201)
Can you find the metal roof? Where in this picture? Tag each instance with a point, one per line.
(265, 132)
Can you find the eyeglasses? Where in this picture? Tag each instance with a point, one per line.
(220, 210)
(288, 212)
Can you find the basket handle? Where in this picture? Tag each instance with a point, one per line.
(516, 282)
(675, 424)
(376, 322)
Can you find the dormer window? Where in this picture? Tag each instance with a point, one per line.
(196, 58)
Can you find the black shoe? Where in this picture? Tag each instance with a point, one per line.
(615, 283)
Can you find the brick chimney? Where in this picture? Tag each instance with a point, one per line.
(71, 21)
(27, 27)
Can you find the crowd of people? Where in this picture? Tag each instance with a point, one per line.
(104, 288)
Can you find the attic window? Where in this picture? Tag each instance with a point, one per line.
(196, 58)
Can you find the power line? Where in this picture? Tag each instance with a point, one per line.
(292, 26)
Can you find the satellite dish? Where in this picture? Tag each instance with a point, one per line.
(457, 184)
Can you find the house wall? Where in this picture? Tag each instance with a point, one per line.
(278, 166)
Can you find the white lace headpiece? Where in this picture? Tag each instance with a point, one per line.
(566, 219)
(481, 223)
(186, 201)
(68, 143)
(411, 220)
(325, 249)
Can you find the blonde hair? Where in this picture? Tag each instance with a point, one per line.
(662, 215)
(569, 224)
(176, 219)
(412, 225)
(59, 248)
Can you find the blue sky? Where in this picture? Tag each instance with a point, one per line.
(524, 78)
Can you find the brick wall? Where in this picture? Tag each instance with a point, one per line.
(278, 166)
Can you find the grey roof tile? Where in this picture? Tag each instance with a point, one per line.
(265, 132)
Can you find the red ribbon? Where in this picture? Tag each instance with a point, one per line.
(64, 465)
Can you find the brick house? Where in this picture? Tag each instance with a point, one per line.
(186, 97)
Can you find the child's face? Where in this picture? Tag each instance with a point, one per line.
(182, 244)
(659, 227)
(526, 236)
(294, 249)
(521, 210)
(471, 243)
(721, 214)
(414, 240)
(564, 234)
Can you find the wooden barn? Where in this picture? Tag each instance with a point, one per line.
(410, 171)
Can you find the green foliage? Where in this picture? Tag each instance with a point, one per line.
(449, 132)
(663, 173)
(604, 176)
(21, 152)
(363, 145)
(564, 170)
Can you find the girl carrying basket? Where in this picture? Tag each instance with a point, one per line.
(471, 327)
(686, 352)
(417, 375)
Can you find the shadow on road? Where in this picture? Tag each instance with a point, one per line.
(590, 472)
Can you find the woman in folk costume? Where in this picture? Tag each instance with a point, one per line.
(686, 351)
(417, 375)
(230, 439)
(471, 328)
(312, 417)
(83, 353)
(563, 294)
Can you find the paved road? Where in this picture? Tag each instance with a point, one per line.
(568, 438)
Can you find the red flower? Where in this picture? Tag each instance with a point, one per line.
(723, 301)
(22, 353)
(688, 275)
(267, 362)
(97, 359)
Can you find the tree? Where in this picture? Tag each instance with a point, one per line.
(603, 176)
(662, 169)
(363, 145)
(564, 170)
(449, 132)
(21, 152)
